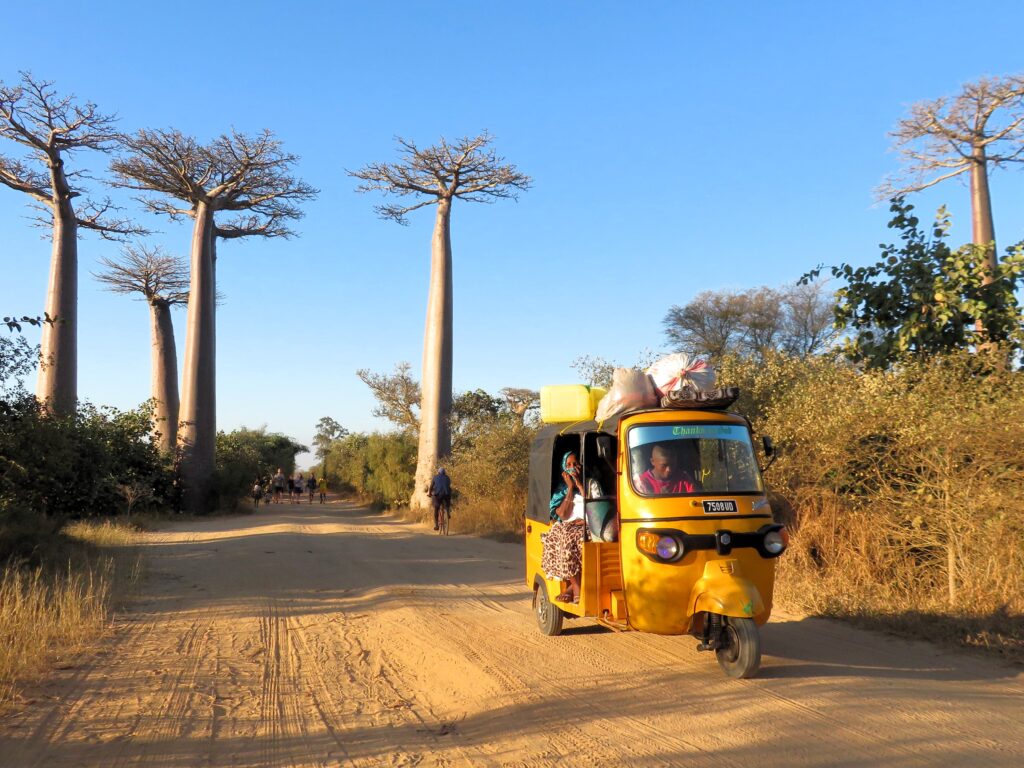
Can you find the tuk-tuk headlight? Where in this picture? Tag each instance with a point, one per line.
(667, 548)
(775, 542)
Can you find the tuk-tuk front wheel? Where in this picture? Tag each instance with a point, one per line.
(739, 649)
(549, 615)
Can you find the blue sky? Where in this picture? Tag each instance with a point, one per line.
(675, 147)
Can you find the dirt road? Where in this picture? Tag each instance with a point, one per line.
(326, 635)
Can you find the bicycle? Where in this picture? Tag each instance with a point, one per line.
(444, 518)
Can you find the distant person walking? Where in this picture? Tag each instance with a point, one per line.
(279, 483)
(257, 494)
(311, 486)
(440, 493)
(323, 489)
(291, 488)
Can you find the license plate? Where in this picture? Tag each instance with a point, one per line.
(718, 507)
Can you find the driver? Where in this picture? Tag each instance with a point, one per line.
(665, 474)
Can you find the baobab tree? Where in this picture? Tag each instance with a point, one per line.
(466, 169)
(162, 281)
(49, 129)
(248, 179)
(981, 127)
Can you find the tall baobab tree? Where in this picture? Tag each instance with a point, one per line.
(981, 127)
(248, 179)
(162, 281)
(49, 129)
(466, 169)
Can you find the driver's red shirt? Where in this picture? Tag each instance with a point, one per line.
(649, 483)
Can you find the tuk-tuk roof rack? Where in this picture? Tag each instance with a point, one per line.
(713, 400)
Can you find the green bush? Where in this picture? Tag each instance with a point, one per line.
(490, 471)
(100, 461)
(379, 467)
(247, 454)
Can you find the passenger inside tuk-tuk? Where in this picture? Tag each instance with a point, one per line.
(562, 553)
(667, 471)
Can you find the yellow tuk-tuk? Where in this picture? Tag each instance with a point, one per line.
(689, 557)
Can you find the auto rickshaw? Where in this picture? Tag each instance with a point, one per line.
(700, 562)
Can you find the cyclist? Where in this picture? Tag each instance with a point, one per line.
(440, 493)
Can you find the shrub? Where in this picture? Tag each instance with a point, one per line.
(490, 474)
(379, 467)
(91, 463)
(246, 454)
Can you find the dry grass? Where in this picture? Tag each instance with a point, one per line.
(848, 564)
(52, 608)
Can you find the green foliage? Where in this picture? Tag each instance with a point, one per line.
(490, 473)
(18, 358)
(397, 395)
(923, 298)
(377, 466)
(91, 463)
(473, 410)
(247, 454)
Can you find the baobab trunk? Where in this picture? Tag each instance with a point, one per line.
(982, 228)
(436, 397)
(198, 417)
(165, 376)
(57, 388)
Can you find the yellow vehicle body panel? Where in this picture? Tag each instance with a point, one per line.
(663, 597)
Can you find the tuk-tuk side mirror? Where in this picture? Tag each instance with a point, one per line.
(769, 452)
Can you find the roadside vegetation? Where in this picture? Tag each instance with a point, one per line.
(58, 593)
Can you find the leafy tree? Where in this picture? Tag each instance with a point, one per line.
(923, 298)
(48, 129)
(17, 359)
(327, 431)
(77, 466)
(246, 454)
(472, 409)
(796, 319)
(162, 281)
(377, 466)
(467, 169)
(521, 401)
(247, 178)
(398, 396)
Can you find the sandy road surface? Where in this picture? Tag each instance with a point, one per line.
(325, 635)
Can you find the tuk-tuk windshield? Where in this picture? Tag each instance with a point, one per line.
(691, 459)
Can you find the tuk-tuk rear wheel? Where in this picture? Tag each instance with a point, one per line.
(549, 615)
(739, 650)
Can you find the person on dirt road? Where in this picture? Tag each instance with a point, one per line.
(440, 493)
(323, 489)
(279, 483)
